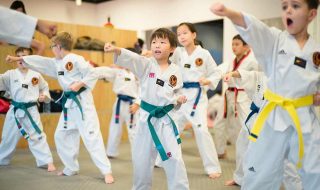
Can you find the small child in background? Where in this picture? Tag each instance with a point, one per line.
(26, 88)
(198, 74)
(125, 109)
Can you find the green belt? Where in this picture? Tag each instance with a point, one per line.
(24, 106)
(73, 96)
(159, 112)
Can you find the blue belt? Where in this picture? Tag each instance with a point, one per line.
(73, 96)
(124, 98)
(159, 112)
(194, 85)
(254, 110)
(24, 106)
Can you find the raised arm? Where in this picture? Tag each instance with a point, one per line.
(135, 63)
(105, 73)
(37, 63)
(235, 16)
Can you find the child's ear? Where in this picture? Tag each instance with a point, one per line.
(312, 14)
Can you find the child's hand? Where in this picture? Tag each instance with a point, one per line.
(109, 48)
(204, 81)
(47, 28)
(316, 99)
(227, 77)
(134, 107)
(218, 9)
(10, 59)
(182, 100)
(41, 98)
(75, 87)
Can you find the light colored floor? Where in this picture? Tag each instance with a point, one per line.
(23, 175)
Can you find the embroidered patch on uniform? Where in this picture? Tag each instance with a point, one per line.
(60, 73)
(127, 79)
(300, 62)
(152, 75)
(160, 82)
(16, 80)
(199, 62)
(69, 66)
(169, 154)
(316, 59)
(25, 86)
(34, 81)
(173, 80)
(187, 66)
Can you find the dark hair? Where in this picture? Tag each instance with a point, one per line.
(313, 4)
(140, 42)
(192, 29)
(22, 49)
(18, 4)
(238, 37)
(165, 33)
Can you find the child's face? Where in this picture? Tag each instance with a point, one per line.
(161, 48)
(21, 54)
(296, 16)
(185, 36)
(238, 48)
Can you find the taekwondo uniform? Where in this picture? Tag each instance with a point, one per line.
(16, 28)
(156, 131)
(126, 87)
(199, 64)
(23, 118)
(236, 104)
(291, 128)
(79, 117)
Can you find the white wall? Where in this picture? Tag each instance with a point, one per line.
(151, 14)
(60, 11)
(142, 15)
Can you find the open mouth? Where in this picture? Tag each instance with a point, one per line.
(289, 22)
(157, 52)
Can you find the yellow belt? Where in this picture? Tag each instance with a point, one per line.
(287, 104)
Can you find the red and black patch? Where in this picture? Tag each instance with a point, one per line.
(34, 81)
(316, 59)
(69, 66)
(173, 80)
(199, 62)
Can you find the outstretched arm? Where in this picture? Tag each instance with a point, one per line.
(235, 16)
(135, 63)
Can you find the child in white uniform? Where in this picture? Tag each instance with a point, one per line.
(236, 101)
(197, 66)
(254, 84)
(26, 87)
(157, 133)
(79, 117)
(291, 129)
(125, 109)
